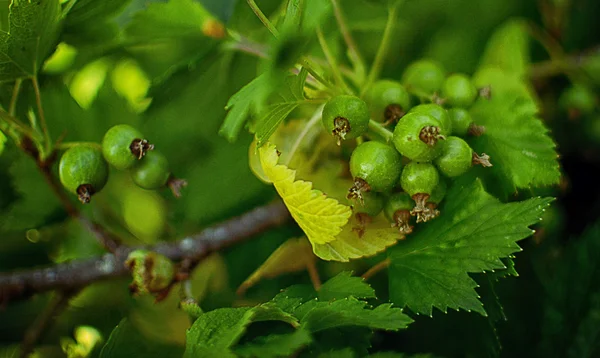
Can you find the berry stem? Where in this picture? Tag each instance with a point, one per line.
(376, 269)
(263, 18)
(353, 52)
(15, 96)
(380, 130)
(382, 50)
(337, 75)
(15, 124)
(43, 126)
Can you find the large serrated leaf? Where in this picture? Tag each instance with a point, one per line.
(475, 230)
(126, 341)
(32, 33)
(508, 48)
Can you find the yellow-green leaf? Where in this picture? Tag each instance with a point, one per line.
(320, 217)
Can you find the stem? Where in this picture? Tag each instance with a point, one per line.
(80, 273)
(376, 269)
(68, 8)
(310, 67)
(337, 75)
(311, 267)
(44, 321)
(263, 18)
(382, 50)
(15, 96)
(309, 125)
(40, 108)
(379, 129)
(15, 124)
(354, 53)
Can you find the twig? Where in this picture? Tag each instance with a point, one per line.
(40, 108)
(44, 321)
(66, 276)
(15, 96)
(263, 18)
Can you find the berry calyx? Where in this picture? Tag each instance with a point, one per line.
(364, 210)
(434, 199)
(374, 166)
(152, 172)
(483, 160)
(123, 145)
(438, 112)
(419, 180)
(388, 101)
(345, 117)
(83, 171)
(424, 75)
(417, 137)
(397, 210)
(459, 91)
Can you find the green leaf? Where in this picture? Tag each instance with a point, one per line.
(215, 332)
(522, 153)
(239, 107)
(172, 35)
(89, 11)
(126, 341)
(344, 285)
(430, 268)
(2, 141)
(275, 345)
(32, 33)
(352, 312)
(508, 48)
(340, 353)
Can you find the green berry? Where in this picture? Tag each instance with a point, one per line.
(457, 157)
(83, 171)
(438, 112)
(459, 90)
(372, 204)
(461, 121)
(417, 137)
(123, 146)
(388, 100)
(346, 117)
(439, 192)
(152, 172)
(397, 210)
(578, 99)
(424, 75)
(419, 181)
(374, 166)
(152, 272)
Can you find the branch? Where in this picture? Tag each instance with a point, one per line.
(80, 273)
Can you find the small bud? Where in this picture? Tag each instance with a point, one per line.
(151, 272)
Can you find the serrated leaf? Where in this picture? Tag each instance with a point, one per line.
(267, 124)
(508, 48)
(126, 341)
(522, 153)
(275, 345)
(321, 218)
(32, 33)
(352, 312)
(86, 11)
(344, 285)
(215, 332)
(172, 35)
(239, 107)
(292, 256)
(475, 230)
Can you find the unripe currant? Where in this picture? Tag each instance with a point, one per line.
(419, 180)
(459, 91)
(83, 171)
(457, 157)
(345, 117)
(461, 121)
(578, 99)
(153, 173)
(397, 210)
(152, 272)
(388, 101)
(417, 137)
(367, 208)
(375, 166)
(424, 75)
(123, 145)
(438, 112)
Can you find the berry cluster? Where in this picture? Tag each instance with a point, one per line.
(407, 177)
(83, 168)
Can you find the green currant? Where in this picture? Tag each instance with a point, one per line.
(397, 210)
(123, 145)
(438, 112)
(83, 171)
(461, 121)
(364, 210)
(152, 172)
(457, 157)
(424, 75)
(388, 100)
(419, 181)
(459, 90)
(346, 117)
(417, 137)
(374, 166)
(152, 272)
(578, 99)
